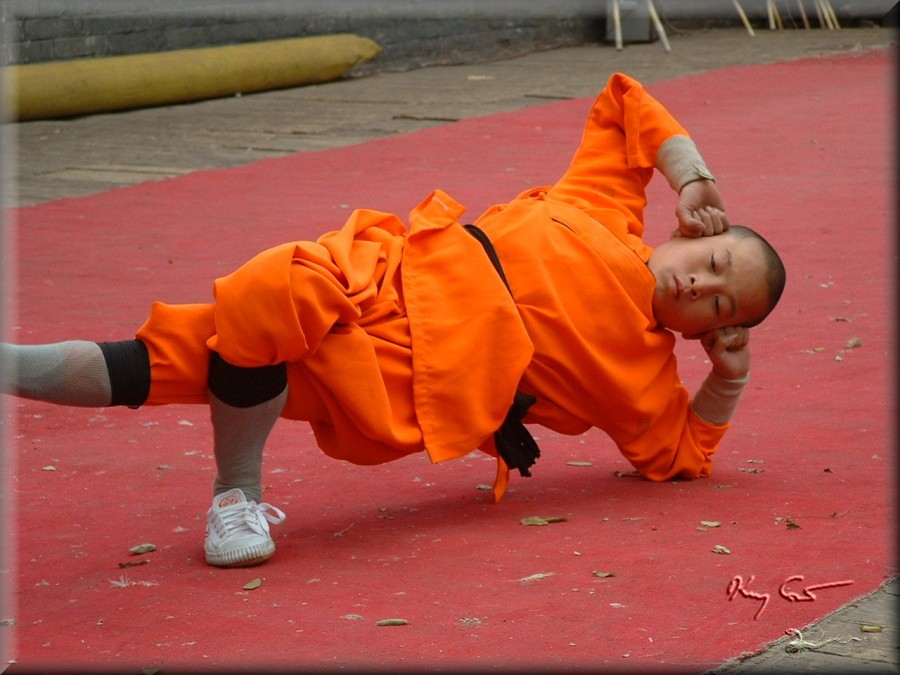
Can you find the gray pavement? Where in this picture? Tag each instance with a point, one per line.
(62, 158)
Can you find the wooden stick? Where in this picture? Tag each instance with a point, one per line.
(803, 14)
(826, 10)
(834, 19)
(818, 5)
(617, 22)
(658, 25)
(744, 19)
(825, 13)
(777, 16)
(770, 7)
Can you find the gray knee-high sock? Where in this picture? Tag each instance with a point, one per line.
(239, 435)
(67, 373)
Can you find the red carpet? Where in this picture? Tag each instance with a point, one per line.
(802, 487)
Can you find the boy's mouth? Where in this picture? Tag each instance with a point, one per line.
(678, 288)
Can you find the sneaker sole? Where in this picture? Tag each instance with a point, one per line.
(242, 557)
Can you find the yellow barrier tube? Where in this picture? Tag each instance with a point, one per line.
(82, 86)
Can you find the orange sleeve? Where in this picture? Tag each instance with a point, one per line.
(676, 444)
(614, 163)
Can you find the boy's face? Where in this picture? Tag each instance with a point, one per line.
(708, 283)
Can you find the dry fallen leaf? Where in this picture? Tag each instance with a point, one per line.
(538, 521)
(134, 563)
(870, 629)
(392, 622)
(256, 583)
(718, 548)
(142, 548)
(579, 463)
(534, 521)
(603, 575)
(538, 576)
(711, 523)
(49, 467)
(853, 343)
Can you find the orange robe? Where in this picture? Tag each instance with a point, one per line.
(405, 340)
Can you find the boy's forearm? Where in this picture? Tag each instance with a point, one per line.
(679, 160)
(717, 398)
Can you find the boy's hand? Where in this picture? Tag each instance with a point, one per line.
(729, 351)
(700, 211)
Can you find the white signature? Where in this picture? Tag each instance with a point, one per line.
(737, 587)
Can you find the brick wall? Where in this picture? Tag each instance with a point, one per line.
(411, 33)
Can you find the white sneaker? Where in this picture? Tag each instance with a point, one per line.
(237, 534)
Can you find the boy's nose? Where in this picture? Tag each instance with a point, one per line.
(700, 286)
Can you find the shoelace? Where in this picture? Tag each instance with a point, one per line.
(240, 516)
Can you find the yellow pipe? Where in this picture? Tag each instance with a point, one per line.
(82, 86)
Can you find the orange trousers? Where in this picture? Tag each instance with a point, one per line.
(332, 311)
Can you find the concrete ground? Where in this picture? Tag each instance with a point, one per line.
(64, 158)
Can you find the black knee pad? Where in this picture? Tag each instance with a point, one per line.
(245, 387)
(128, 365)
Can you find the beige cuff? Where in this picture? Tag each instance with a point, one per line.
(717, 398)
(680, 162)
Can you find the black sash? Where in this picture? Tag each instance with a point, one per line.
(514, 443)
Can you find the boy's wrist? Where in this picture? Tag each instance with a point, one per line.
(680, 162)
(731, 377)
(718, 396)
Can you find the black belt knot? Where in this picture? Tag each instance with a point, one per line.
(514, 442)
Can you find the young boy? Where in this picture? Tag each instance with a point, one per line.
(445, 338)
